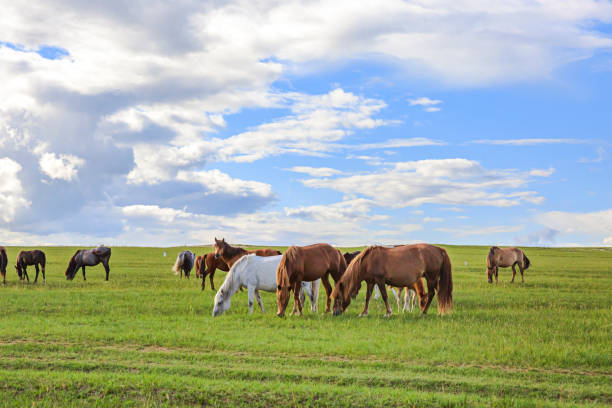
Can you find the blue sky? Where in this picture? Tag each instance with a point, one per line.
(294, 123)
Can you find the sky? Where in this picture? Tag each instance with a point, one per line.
(288, 123)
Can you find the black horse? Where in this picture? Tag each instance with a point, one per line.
(88, 257)
(3, 263)
(25, 258)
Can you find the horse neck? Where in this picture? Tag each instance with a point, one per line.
(231, 283)
(232, 254)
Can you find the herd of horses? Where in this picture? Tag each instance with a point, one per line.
(301, 270)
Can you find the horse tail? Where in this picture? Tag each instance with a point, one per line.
(177, 264)
(445, 284)
(526, 262)
(3, 260)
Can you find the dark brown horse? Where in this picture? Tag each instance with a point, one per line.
(349, 256)
(307, 263)
(34, 257)
(88, 257)
(504, 258)
(207, 265)
(3, 263)
(399, 266)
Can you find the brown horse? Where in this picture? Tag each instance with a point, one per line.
(307, 263)
(349, 256)
(230, 254)
(3, 263)
(26, 258)
(207, 265)
(504, 258)
(399, 266)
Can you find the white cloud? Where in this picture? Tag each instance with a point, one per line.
(601, 153)
(433, 219)
(12, 195)
(395, 143)
(528, 142)
(432, 109)
(63, 167)
(542, 172)
(315, 171)
(424, 101)
(596, 225)
(217, 182)
(446, 181)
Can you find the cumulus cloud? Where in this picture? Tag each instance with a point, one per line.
(216, 182)
(12, 198)
(63, 167)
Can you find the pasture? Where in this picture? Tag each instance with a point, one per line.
(147, 338)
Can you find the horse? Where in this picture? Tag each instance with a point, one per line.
(207, 265)
(349, 256)
(88, 257)
(255, 273)
(307, 263)
(398, 266)
(3, 263)
(504, 258)
(34, 257)
(230, 254)
(184, 262)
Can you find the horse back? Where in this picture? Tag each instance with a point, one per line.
(319, 259)
(405, 264)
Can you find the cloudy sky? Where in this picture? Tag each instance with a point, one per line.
(293, 122)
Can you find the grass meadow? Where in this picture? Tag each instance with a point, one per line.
(147, 338)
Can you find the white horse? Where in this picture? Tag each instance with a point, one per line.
(409, 298)
(255, 273)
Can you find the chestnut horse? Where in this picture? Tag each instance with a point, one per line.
(88, 257)
(307, 263)
(399, 266)
(504, 258)
(207, 265)
(26, 258)
(3, 263)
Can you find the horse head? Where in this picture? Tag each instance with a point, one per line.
(222, 303)
(341, 296)
(72, 268)
(18, 270)
(219, 248)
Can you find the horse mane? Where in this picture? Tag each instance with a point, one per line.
(355, 265)
(72, 262)
(233, 251)
(288, 258)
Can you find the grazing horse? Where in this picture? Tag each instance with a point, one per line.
(504, 258)
(26, 258)
(400, 267)
(207, 265)
(88, 257)
(307, 263)
(184, 262)
(3, 263)
(255, 273)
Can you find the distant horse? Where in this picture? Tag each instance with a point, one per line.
(207, 265)
(349, 256)
(255, 273)
(307, 263)
(504, 258)
(3, 263)
(88, 257)
(184, 263)
(399, 266)
(230, 254)
(26, 258)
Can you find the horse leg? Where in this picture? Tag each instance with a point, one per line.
(431, 292)
(315, 295)
(366, 308)
(328, 291)
(211, 277)
(259, 301)
(398, 298)
(25, 273)
(296, 295)
(496, 273)
(513, 272)
(37, 271)
(251, 291)
(83, 267)
(521, 270)
(42, 267)
(383, 292)
(106, 268)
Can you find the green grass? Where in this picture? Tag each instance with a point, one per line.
(147, 338)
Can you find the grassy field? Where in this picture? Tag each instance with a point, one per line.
(147, 338)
